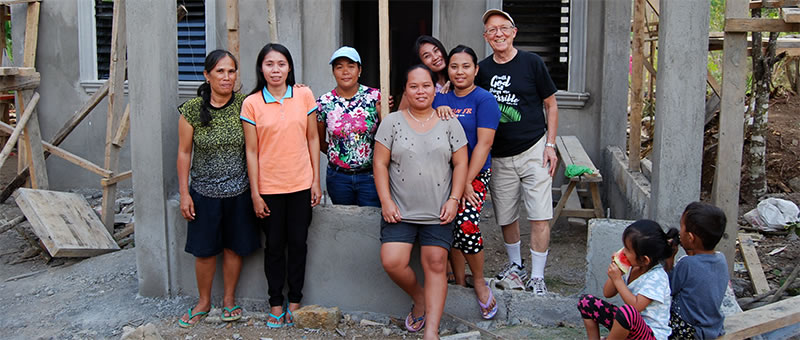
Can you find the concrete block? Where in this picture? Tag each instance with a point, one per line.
(630, 197)
(546, 311)
(474, 335)
(605, 237)
(317, 317)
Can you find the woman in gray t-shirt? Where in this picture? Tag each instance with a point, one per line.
(417, 158)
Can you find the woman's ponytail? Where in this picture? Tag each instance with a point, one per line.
(204, 92)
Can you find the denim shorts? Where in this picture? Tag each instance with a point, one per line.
(429, 234)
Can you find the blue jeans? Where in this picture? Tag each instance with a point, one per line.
(352, 189)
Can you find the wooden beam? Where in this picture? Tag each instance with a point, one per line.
(64, 154)
(762, 319)
(790, 15)
(31, 35)
(17, 71)
(10, 224)
(116, 106)
(77, 160)
(116, 178)
(383, 48)
(637, 77)
(232, 23)
(713, 83)
(11, 83)
(13, 2)
(725, 191)
(32, 139)
(59, 137)
(773, 3)
(753, 264)
(272, 21)
(124, 126)
(759, 25)
(26, 115)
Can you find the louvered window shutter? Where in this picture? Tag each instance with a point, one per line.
(543, 28)
(191, 39)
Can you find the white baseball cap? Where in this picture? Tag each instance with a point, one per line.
(495, 11)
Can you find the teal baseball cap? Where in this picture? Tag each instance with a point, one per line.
(346, 52)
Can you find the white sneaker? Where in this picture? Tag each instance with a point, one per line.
(537, 286)
(512, 267)
(511, 281)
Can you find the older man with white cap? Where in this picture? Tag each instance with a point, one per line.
(523, 153)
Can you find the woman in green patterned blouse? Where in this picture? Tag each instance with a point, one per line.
(217, 204)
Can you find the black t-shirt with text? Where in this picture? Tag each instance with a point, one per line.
(520, 87)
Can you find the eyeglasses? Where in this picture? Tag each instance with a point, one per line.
(504, 29)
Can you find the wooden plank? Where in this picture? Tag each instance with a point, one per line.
(21, 121)
(791, 15)
(582, 213)
(10, 224)
(383, 48)
(637, 77)
(562, 201)
(760, 25)
(272, 20)
(10, 83)
(232, 22)
(65, 223)
(572, 152)
(31, 35)
(773, 3)
(727, 172)
(762, 319)
(116, 178)
(597, 203)
(713, 83)
(17, 71)
(59, 137)
(125, 232)
(116, 106)
(64, 154)
(77, 160)
(33, 143)
(12, 2)
(753, 264)
(124, 126)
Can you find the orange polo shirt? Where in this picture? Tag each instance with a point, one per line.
(284, 162)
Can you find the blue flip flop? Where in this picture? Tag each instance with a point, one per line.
(230, 312)
(277, 317)
(185, 324)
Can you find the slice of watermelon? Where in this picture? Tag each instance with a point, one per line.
(622, 261)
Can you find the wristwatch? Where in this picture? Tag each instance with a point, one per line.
(552, 145)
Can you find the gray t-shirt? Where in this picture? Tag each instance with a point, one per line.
(420, 171)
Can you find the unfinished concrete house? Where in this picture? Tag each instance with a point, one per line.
(585, 43)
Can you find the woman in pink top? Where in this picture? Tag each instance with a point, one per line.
(282, 148)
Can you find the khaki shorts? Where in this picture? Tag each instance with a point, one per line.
(525, 169)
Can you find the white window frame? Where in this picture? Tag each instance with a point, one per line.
(87, 47)
(575, 97)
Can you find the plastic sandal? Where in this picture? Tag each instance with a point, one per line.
(411, 320)
(489, 302)
(185, 324)
(289, 316)
(278, 317)
(230, 312)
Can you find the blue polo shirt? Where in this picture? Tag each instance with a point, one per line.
(478, 109)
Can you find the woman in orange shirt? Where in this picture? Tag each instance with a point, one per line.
(282, 148)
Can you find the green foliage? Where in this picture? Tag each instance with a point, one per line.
(8, 41)
(793, 228)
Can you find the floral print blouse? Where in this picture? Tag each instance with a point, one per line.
(351, 126)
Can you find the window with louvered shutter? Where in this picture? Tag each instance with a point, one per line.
(191, 39)
(543, 28)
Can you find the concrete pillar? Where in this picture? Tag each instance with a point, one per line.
(322, 34)
(153, 80)
(680, 100)
(614, 92)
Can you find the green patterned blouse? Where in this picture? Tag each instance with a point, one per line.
(219, 167)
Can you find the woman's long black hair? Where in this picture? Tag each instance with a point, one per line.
(427, 39)
(261, 82)
(204, 90)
